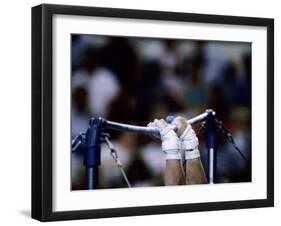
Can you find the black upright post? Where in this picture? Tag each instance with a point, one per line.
(211, 143)
(92, 151)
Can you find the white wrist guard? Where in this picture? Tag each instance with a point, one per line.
(170, 141)
(192, 154)
(189, 143)
(188, 139)
(170, 145)
(172, 154)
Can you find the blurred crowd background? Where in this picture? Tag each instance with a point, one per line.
(135, 80)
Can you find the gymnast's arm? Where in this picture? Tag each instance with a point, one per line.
(174, 173)
(194, 171)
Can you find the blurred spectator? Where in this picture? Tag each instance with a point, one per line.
(103, 87)
(170, 81)
(81, 76)
(100, 83)
(195, 93)
(214, 61)
(230, 84)
(79, 114)
(246, 82)
(120, 57)
(153, 158)
(148, 81)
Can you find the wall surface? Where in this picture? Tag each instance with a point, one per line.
(15, 113)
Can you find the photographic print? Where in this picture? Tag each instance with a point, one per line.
(136, 81)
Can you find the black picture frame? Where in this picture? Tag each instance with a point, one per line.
(42, 108)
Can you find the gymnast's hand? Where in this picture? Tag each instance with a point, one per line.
(187, 137)
(170, 140)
